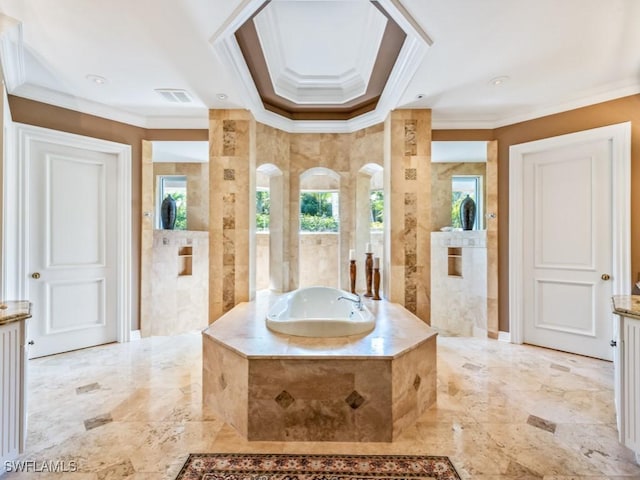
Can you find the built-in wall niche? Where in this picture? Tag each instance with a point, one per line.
(454, 261)
(185, 261)
(181, 169)
(458, 169)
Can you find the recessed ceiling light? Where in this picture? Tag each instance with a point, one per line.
(420, 96)
(97, 79)
(222, 96)
(496, 82)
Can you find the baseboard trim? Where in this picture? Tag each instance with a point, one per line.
(504, 337)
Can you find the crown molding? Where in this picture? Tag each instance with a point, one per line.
(51, 97)
(63, 100)
(70, 102)
(12, 53)
(317, 90)
(320, 126)
(179, 123)
(368, 53)
(444, 123)
(405, 20)
(593, 97)
(241, 14)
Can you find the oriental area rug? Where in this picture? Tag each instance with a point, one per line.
(241, 466)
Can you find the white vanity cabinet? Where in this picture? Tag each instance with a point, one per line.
(13, 361)
(627, 370)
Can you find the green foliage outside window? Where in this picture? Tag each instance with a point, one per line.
(317, 204)
(181, 210)
(263, 208)
(316, 212)
(377, 206)
(312, 223)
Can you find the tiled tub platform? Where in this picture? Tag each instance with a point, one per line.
(365, 388)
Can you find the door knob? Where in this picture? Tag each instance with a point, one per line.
(31, 342)
(35, 275)
(613, 343)
(605, 276)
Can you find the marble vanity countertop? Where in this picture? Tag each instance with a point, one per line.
(14, 311)
(244, 330)
(627, 305)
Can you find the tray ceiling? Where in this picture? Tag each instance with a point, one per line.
(313, 65)
(166, 63)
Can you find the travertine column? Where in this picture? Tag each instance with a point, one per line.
(362, 232)
(231, 165)
(367, 149)
(273, 150)
(408, 163)
(146, 239)
(491, 209)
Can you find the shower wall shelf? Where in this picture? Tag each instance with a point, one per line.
(185, 261)
(454, 261)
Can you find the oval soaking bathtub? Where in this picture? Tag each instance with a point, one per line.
(319, 312)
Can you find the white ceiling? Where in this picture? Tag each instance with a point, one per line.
(558, 54)
(455, 152)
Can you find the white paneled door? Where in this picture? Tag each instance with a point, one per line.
(563, 234)
(72, 247)
(567, 244)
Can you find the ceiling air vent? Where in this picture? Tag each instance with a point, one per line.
(174, 95)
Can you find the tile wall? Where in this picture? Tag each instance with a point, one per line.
(232, 136)
(238, 145)
(459, 282)
(408, 161)
(171, 303)
(197, 190)
(441, 174)
(178, 297)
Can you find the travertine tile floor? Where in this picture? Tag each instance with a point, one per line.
(504, 412)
